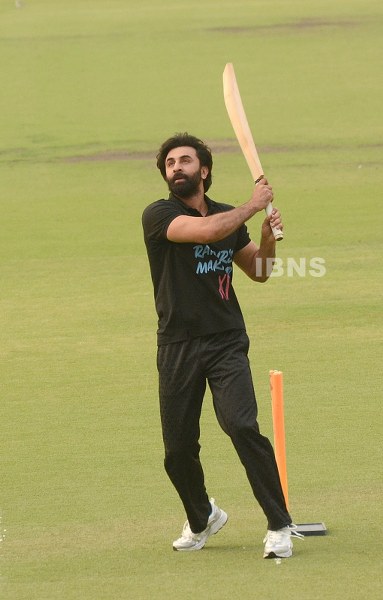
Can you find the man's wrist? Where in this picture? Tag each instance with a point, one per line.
(268, 239)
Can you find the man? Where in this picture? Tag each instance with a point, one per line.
(192, 243)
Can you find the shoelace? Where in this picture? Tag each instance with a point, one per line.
(295, 533)
(187, 532)
(274, 536)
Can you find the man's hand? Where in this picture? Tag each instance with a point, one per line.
(262, 195)
(274, 220)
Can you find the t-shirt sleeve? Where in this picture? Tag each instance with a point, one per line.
(157, 217)
(243, 238)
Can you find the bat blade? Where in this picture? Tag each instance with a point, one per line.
(242, 130)
(239, 121)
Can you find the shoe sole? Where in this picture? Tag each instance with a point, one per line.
(280, 555)
(215, 528)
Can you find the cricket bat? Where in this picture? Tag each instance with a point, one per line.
(241, 128)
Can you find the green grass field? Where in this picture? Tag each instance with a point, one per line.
(89, 91)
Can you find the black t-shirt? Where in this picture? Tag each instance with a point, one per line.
(192, 283)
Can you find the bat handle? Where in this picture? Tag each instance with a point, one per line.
(278, 233)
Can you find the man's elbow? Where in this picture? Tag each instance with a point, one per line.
(261, 278)
(262, 270)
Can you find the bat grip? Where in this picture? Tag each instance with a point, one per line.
(278, 233)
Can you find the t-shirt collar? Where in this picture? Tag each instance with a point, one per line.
(193, 211)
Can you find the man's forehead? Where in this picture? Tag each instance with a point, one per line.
(182, 151)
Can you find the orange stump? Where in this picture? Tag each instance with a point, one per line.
(276, 388)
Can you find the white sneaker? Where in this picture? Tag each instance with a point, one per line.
(195, 541)
(278, 544)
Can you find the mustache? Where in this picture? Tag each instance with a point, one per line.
(178, 176)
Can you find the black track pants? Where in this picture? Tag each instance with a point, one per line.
(184, 368)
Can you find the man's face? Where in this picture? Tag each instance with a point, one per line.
(184, 174)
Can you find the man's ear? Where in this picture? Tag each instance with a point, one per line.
(204, 172)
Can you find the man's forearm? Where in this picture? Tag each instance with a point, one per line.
(265, 258)
(218, 226)
(213, 228)
(257, 262)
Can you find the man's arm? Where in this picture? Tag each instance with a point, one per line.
(257, 262)
(216, 227)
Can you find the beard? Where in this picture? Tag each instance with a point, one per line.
(187, 188)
